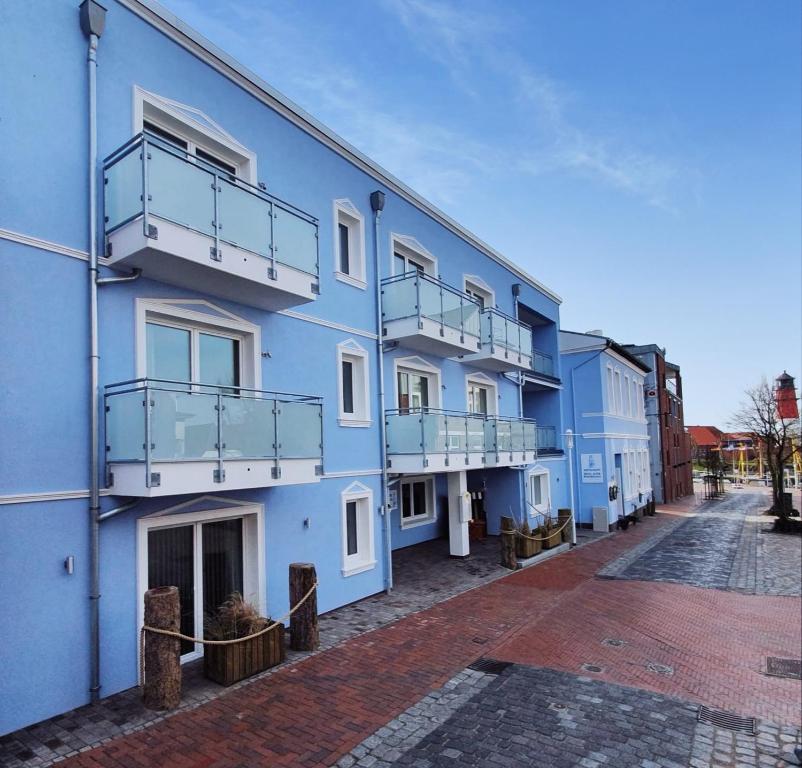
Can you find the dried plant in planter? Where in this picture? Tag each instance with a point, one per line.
(234, 619)
(526, 547)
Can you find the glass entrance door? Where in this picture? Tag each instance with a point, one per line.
(205, 561)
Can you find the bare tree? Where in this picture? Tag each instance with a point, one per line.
(776, 437)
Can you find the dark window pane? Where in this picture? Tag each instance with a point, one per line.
(406, 501)
(350, 527)
(171, 564)
(215, 162)
(403, 391)
(348, 386)
(166, 135)
(400, 265)
(345, 260)
(222, 562)
(419, 497)
(219, 360)
(168, 353)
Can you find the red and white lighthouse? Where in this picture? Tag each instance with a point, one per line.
(785, 393)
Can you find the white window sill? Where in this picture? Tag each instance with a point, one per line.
(415, 522)
(355, 569)
(356, 282)
(354, 422)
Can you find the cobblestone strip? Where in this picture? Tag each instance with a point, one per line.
(619, 565)
(779, 562)
(716, 747)
(389, 743)
(743, 577)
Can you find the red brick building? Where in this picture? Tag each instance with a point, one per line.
(670, 445)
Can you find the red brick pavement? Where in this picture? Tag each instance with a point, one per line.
(553, 615)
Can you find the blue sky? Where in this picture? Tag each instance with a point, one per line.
(640, 158)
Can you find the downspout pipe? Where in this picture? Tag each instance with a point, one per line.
(377, 206)
(93, 20)
(516, 291)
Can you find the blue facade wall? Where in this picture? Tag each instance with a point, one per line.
(44, 352)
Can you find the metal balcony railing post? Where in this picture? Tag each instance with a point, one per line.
(145, 188)
(467, 444)
(492, 316)
(423, 439)
(271, 270)
(442, 310)
(276, 444)
(146, 402)
(462, 319)
(216, 254)
(220, 475)
(447, 444)
(417, 300)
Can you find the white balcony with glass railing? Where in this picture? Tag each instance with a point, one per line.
(506, 343)
(190, 224)
(432, 440)
(166, 437)
(547, 441)
(543, 364)
(423, 313)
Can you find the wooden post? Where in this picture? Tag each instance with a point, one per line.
(162, 689)
(304, 634)
(508, 557)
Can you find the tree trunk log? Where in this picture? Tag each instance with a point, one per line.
(508, 557)
(304, 634)
(162, 689)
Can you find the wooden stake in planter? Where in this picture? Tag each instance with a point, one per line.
(304, 634)
(162, 689)
(508, 557)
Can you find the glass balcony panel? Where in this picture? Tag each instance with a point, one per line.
(299, 430)
(399, 299)
(501, 331)
(183, 425)
(526, 340)
(125, 426)
(404, 433)
(516, 435)
(430, 305)
(180, 192)
(542, 363)
(434, 433)
(123, 189)
(244, 218)
(530, 436)
(248, 428)
(452, 309)
(472, 316)
(546, 438)
(457, 434)
(475, 439)
(294, 240)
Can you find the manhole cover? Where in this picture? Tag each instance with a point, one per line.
(480, 640)
(784, 667)
(557, 707)
(727, 720)
(660, 669)
(489, 666)
(613, 641)
(592, 668)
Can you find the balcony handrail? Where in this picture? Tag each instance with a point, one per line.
(145, 137)
(540, 352)
(453, 412)
(435, 281)
(135, 385)
(510, 318)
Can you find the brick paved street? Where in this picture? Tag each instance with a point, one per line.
(669, 640)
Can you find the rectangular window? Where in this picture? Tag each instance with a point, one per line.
(351, 546)
(406, 264)
(610, 391)
(345, 259)
(348, 386)
(477, 399)
(539, 490)
(618, 398)
(417, 500)
(627, 398)
(413, 391)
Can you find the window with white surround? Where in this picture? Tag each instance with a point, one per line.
(539, 497)
(417, 501)
(417, 384)
(482, 394)
(617, 392)
(358, 553)
(610, 390)
(480, 290)
(349, 244)
(409, 255)
(627, 397)
(191, 340)
(353, 384)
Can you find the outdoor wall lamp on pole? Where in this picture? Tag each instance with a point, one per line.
(569, 444)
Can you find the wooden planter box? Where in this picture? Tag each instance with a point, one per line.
(553, 538)
(477, 530)
(527, 547)
(228, 664)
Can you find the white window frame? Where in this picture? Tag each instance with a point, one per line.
(419, 366)
(345, 212)
(253, 572)
(475, 286)
(364, 559)
(357, 355)
(610, 390)
(619, 404)
(183, 313)
(195, 127)
(628, 396)
(430, 515)
(481, 380)
(409, 247)
(543, 477)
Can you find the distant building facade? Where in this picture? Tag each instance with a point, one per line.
(670, 445)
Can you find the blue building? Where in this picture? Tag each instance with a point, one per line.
(604, 408)
(232, 342)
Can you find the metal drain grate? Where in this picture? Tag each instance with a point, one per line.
(660, 669)
(613, 642)
(784, 667)
(595, 668)
(727, 720)
(489, 666)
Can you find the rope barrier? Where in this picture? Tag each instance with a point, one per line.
(551, 533)
(204, 641)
